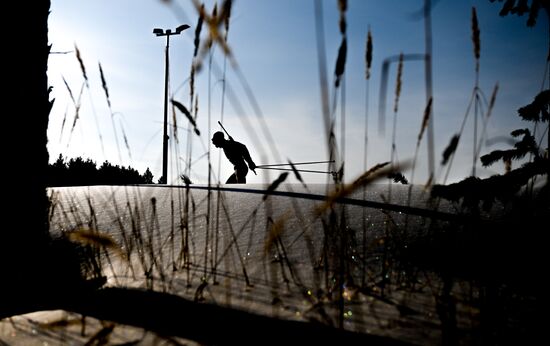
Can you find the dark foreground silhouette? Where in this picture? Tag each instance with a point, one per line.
(38, 275)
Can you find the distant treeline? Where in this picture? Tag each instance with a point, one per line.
(80, 172)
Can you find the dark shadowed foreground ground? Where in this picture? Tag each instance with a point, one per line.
(372, 265)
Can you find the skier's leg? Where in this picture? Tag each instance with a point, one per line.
(232, 179)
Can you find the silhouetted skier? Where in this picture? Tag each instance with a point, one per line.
(238, 155)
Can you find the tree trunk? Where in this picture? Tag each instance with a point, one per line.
(24, 235)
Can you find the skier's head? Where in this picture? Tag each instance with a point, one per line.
(218, 139)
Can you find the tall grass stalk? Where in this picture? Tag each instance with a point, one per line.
(475, 101)
(323, 82)
(77, 102)
(423, 127)
(106, 90)
(398, 85)
(429, 85)
(222, 114)
(477, 49)
(486, 120)
(368, 65)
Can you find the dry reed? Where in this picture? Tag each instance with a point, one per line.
(342, 8)
(475, 37)
(340, 62)
(185, 111)
(96, 238)
(198, 29)
(104, 85)
(275, 184)
(492, 101)
(398, 82)
(368, 55)
(425, 121)
(450, 149)
(214, 22)
(81, 62)
(374, 174)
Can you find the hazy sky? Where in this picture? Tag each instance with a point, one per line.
(275, 48)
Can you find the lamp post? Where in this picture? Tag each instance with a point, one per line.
(167, 33)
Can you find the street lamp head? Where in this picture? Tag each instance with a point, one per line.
(158, 31)
(181, 28)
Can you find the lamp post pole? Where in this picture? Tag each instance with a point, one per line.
(167, 33)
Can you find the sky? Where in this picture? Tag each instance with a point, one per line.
(268, 94)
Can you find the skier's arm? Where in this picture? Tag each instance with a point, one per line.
(248, 159)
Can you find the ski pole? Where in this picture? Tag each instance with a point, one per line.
(296, 163)
(298, 170)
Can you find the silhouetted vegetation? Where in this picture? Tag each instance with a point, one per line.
(472, 190)
(501, 254)
(521, 7)
(81, 172)
(46, 273)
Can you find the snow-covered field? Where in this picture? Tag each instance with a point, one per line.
(286, 256)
